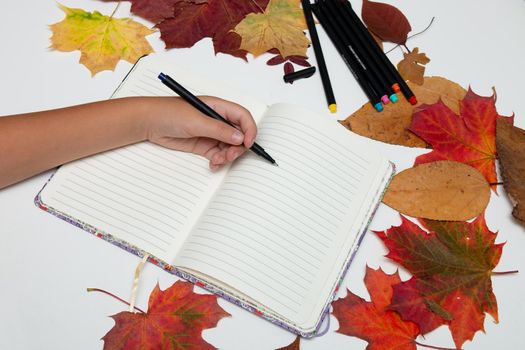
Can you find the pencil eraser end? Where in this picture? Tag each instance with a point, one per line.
(394, 98)
(378, 107)
(385, 99)
(412, 100)
(333, 108)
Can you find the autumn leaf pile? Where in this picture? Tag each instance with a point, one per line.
(458, 125)
(451, 260)
(236, 27)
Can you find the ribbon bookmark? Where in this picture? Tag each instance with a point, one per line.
(136, 279)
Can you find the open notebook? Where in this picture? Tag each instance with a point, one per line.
(274, 240)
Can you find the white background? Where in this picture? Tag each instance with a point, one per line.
(46, 264)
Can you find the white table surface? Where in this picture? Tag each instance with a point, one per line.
(46, 264)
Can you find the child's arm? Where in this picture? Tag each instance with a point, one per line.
(35, 142)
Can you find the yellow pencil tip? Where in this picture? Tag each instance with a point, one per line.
(333, 108)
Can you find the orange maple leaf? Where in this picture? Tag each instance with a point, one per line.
(469, 138)
(175, 320)
(372, 321)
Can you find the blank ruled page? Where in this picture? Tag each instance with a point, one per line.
(143, 194)
(275, 233)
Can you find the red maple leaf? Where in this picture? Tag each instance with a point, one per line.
(372, 321)
(175, 320)
(452, 267)
(469, 138)
(191, 21)
(154, 11)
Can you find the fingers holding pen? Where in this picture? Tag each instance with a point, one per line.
(222, 154)
(237, 115)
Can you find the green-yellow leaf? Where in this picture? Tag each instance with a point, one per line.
(102, 40)
(281, 26)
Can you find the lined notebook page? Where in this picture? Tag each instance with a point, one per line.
(143, 194)
(276, 233)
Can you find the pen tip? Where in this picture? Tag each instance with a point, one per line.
(275, 163)
(333, 108)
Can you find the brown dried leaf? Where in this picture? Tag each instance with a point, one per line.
(412, 66)
(442, 190)
(391, 125)
(510, 145)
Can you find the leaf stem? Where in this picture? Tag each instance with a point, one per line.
(496, 273)
(433, 347)
(413, 35)
(114, 296)
(115, 10)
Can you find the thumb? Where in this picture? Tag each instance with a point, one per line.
(215, 129)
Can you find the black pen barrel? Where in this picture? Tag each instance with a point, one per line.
(206, 110)
(409, 95)
(349, 40)
(319, 57)
(347, 57)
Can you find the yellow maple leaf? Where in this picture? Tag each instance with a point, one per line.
(102, 40)
(281, 26)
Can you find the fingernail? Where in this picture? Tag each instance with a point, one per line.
(237, 137)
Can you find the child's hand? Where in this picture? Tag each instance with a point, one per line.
(175, 124)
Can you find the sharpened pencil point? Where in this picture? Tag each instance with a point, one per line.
(333, 108)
